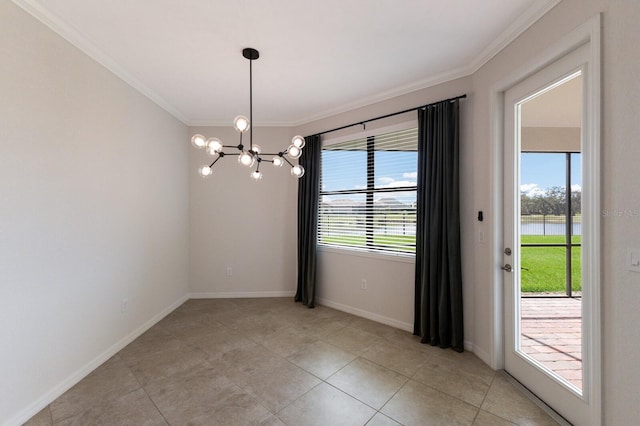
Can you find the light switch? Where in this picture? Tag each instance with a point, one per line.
(633, 259)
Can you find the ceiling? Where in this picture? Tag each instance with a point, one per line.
(559, 107)
(316, 58)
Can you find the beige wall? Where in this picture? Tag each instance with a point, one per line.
(620, 153)
(239, 223)
(389, 295)
(93, 180)
(550, 139)
(340, 278)
(93, 210)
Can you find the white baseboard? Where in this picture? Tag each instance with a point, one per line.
(468, 345)
(83, 372)
(80, 374)
(241, 294)
(366, 314)
(485, 357)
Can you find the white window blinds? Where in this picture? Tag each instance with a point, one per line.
(368, 193)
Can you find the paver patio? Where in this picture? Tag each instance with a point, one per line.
(552, 334)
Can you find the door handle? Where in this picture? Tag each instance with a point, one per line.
(506, 267)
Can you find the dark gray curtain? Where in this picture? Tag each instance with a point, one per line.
(438, 288)
(308, 194)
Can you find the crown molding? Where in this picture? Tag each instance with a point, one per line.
(76, 38)
(380, 97)
(520, 25)
(389, 94)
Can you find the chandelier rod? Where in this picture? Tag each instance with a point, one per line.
(251, 54)
(250, 103)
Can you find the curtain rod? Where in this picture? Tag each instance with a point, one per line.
(390, 115)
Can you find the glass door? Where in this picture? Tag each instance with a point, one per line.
(543, 259)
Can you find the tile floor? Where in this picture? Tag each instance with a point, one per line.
(275, 362)
(552, 334)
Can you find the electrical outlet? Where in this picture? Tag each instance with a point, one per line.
(229, 271)
(124, 305)
(363, 284)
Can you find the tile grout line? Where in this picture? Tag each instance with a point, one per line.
(389, 339)
(156, 407)
(145, 391)
(391, 397)
(484, 399)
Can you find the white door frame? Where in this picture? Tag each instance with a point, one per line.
(588, 33)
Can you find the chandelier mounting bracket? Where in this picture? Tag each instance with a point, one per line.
(250, 53)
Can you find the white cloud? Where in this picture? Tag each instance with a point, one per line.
(398, 183)
(531, 189)
(388, 182)
(403, 197)
(412, 175)
(537, 192)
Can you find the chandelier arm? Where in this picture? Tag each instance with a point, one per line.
(215, 161)
(285, 159)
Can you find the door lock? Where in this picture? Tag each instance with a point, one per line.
(506, 267)
(507, 251)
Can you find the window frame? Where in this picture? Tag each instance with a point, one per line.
(369, 191)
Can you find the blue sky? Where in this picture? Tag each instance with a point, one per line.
(393, 169)
(540, 171)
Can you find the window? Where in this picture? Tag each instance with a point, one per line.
(368, 193)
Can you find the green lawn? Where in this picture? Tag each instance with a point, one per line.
(396, 242)
(543, 268)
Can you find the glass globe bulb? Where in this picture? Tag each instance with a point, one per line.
(256, 148)
(294, 152)
(257, 175)
(198, 141)
(246, 159)
(205, 171)
(214, 146)
(298, 141)
(297, 171)
(278, 162)
(241, 123)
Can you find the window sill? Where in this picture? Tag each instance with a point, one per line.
(404, 258)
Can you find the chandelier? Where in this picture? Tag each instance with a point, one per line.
(252, 154)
